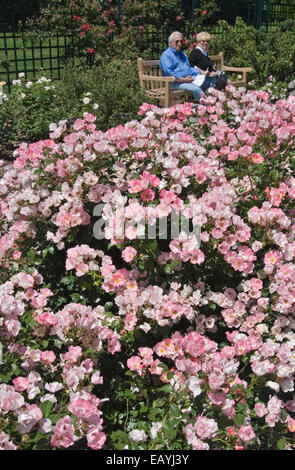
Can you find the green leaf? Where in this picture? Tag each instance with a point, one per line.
(174, 410)
(75, 297)
(46, 408)
(54, 418)
(67, 280)
(163, 366)
(37, 437)
(31, 255)
(153, 413)
(169, 432)
(239, 419)
(16, 370)
(283, 415)
(5, 377)
(281, 444)
(144, 409)
(170, 267)
(108, 306)
(167, 388)
(45, 252)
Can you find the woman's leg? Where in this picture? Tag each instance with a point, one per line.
(209, 82)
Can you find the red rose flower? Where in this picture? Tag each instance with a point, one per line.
(85, 26)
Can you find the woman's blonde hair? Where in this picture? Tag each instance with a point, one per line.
(203, 36)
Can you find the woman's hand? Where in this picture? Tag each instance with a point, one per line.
(208, 74)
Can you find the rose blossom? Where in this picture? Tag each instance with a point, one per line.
(138, 435)
(246, 433)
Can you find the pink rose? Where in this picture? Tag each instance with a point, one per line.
(246, 433)
(64, 433)
(134, 363)
(16, 255)
(47, 357)
(82, 409)
(260, 410)
(129, 253)
(89, 117)
(205, 427)
(96, 438)
(20, 384)
(73, 354)
(291, 424)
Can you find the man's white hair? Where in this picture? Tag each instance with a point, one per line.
(171, 37)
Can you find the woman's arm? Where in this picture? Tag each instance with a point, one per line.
(197, 59)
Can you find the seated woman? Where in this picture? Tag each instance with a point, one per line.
(199, 58)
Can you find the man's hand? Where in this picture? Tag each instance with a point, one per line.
(187, 79)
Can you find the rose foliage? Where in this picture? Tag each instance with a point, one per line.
(119, 332)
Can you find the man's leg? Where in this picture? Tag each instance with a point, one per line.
(195, 90)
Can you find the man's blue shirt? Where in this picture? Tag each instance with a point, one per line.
(176, 64)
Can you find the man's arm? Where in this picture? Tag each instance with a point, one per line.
(170, 67)
(187, 79)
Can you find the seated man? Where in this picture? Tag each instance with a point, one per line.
(174, 62)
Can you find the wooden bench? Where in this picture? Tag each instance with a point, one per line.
(158, 87)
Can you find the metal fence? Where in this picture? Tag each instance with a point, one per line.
(46, 54)
(275, 13)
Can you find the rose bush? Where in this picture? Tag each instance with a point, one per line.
(121, 328)
(101, 31)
